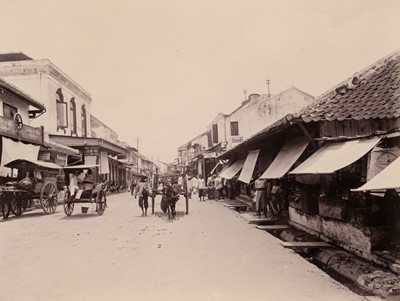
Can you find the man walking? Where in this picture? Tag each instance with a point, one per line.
(143, 190)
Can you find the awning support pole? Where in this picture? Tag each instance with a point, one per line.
(309, 137)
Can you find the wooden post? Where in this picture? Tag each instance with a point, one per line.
(186, 194)
(153, 195)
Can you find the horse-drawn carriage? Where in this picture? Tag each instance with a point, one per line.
(84, 186)
(36, 183)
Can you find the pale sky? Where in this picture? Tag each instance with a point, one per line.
(162, 70)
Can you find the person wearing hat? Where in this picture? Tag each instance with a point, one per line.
(142, 190)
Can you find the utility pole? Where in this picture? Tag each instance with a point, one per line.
(245, 94)
(268, 83)
(137, 163)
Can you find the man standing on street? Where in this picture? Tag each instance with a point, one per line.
(201, 186)
(143, 190)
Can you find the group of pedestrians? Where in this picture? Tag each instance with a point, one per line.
(143, 189)
(214, 188)
(268, 194)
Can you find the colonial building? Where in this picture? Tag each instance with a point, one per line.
(18, 139)
(229, 130)
(193, 155)
(68, 106)
(259, 111)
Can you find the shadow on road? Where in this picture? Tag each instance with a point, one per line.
(164, 216)
(26, 215)
(80, 216)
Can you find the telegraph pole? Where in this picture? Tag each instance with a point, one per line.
(268, 83)
(137, 163)
(245, 94)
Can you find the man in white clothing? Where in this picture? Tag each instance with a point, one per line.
(201, 186)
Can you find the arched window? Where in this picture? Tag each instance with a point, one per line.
(61, 108)
(83, 121)
(73, 116)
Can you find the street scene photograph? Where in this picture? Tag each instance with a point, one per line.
(200, 150)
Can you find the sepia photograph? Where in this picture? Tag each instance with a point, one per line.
(194, 150)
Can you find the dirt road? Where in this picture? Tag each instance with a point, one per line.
(210, 254)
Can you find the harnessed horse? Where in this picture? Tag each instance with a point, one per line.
(169, 199)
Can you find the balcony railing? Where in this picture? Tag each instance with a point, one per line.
(27, 134)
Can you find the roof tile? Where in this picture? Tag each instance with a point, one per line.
(376, 96)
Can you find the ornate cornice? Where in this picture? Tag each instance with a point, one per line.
(44, 67)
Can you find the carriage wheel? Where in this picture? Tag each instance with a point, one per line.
(18, 204)
(68, 205)
(49, 198)
(101, 203)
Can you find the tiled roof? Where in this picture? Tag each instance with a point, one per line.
(370, 94)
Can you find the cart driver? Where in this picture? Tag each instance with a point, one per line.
(88, 183)
(73, 182)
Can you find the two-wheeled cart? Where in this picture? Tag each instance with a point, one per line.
(85, 192)
(37, 183)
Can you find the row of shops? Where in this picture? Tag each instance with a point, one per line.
(60, 130)
(337, 163)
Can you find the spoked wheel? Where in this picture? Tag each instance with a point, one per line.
(68, 205)
(101, 203)
(18, 204)
(49, 198)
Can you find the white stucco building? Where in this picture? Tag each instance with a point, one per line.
(259, 111)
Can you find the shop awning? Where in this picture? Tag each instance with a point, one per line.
(215, 167)
(386, 179)
(248, 167)
(333, 157)
(232, 170)
(25, 163)
(285, 159)
(13, 150)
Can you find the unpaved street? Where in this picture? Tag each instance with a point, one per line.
(210, 254)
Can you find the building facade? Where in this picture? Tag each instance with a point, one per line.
(322, 155)
(18, 138)
(68, 105)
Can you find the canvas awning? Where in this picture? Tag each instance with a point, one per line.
(215, 167)
(333, 157)
(285, 159)
(386, 179)
(232, 170)
(248, 167)
(24, 163)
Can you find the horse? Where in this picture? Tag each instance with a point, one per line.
(168, 201)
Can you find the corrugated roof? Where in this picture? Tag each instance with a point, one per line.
(373, 93)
